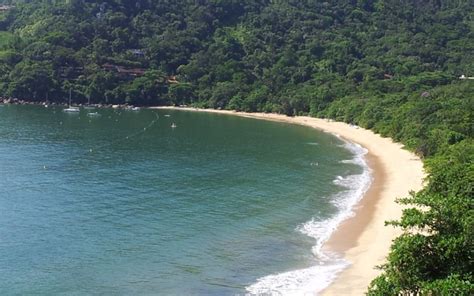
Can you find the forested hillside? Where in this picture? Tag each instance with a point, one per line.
(392, 66)
(280, 56)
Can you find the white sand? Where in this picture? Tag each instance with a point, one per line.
(402, 171)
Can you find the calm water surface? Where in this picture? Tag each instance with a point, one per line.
(100, 205)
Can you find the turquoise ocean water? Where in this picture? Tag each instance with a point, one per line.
(124, 204)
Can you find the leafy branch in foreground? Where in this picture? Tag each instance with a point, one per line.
(435, 254)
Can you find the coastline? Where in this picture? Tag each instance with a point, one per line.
(395, 173)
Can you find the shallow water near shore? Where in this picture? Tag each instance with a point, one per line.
(122, 203)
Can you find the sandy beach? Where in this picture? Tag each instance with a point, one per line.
(363, 239)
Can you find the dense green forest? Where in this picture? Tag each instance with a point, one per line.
(392, 66)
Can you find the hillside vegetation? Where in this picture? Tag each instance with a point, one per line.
(392, 66)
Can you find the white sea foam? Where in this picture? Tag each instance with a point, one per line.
(350, 161)
(316, 278)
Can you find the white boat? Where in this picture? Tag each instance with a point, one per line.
(89, 106)
(135, 108)
(173, 125)
(71, 109)
(93, 114)
(167, 115)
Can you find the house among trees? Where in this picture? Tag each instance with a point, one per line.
(137, 52)
(6, 7)
(172, 80)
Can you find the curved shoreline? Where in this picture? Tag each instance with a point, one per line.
(362, 239)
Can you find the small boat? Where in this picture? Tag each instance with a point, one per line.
(173, 125)
(71, 109)
(167, 115)
(93, 114)
(135, 108)
(89, 106)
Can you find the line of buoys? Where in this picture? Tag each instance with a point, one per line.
(130, 136)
